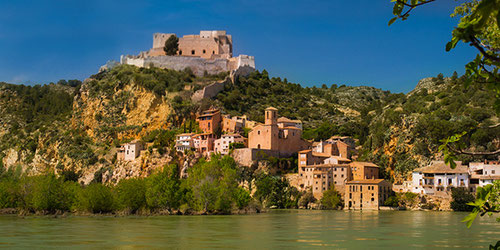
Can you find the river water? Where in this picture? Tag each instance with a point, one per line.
(277, 229)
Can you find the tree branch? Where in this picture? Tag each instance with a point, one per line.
(459, 151)
(475, 42)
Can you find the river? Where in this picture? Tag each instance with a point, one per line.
(276, 229)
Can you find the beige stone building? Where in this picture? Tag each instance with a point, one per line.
(222, 144)
(364, 170)
(130, 151)
(366, 194)
(209, 44)
(269, 136)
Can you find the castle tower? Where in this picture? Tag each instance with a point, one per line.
(271, 116)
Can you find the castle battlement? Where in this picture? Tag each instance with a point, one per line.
(210, 51)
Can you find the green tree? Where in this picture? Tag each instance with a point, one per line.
(163, 189)
(131, 194)
(461, 197)
(95, 198)
(331, 199)
(171, 45)
(213, 184)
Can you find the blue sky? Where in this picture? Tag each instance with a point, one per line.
(307, 42)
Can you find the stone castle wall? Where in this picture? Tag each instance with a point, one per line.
(198, 65)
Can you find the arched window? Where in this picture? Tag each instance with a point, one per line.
(204, 51)
(192, 52)
(180, 52)
(213, 52)
(258, 146)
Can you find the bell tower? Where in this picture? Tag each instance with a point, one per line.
(271, 116)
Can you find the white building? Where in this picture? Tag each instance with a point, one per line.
(222, 145)
(130, 151)
(483, 173)
(439, 178)
(184, 142)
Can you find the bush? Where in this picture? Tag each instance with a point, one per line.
(306, 198)
(331, 199)
(47, 193)
(95, 198)
(131, 194)
(163, 189)
(460, 198)
(9, 193)
(392, 201)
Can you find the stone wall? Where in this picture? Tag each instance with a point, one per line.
(209, 91)
(248, 156)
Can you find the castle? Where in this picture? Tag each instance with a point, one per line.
(209, 52)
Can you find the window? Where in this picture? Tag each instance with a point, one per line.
(192, 52)
(204, 51)
(373, 199)
(492, 171)
(213, 52)
(258, 132)
(180, 52)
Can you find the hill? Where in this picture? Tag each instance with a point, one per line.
(78, 126)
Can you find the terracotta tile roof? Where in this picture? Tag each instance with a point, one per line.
(271, 108)
(184, 134)
(367, 181)
(364, 163)
(438, 167)
(284, 119)
(305, 151)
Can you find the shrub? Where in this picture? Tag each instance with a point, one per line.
(331, 199)
(9, 193)
(131, 194)
(95, 198)
(242, 197)
(163, 189)
(392, 201)
(460, 198)
(47, 193)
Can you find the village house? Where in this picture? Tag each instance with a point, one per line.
(129, 151)
(209, 121)
(284, 122)
(269, 136)
(222, 144)
(366, 194)
(323, 177)
(483, 173)
(364, 170)
(438, 178)
(335, 146)
(204, 143)
(233, 124)
(184, 142)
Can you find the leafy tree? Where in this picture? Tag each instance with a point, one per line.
(171, 45)
(331, 199)
(47, 193)
(131, 194)
(213, 184)
(461, 197)
(306, 199)
(95, 198)
(163, 189)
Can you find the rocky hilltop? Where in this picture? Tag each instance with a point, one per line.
(78, 127)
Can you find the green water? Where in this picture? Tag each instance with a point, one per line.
(277, 229)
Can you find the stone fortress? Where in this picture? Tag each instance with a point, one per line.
(209, 52)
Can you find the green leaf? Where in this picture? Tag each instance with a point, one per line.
(498, 19)
(392, 20)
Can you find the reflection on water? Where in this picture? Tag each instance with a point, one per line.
(278, 229)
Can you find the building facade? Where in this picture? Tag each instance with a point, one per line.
(130, 151)
(184, 142)
(269, 136)
(209, 121)
(222, 145)
(366, 194)
(204, 143)
(438, 178)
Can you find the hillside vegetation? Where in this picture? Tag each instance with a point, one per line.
(78, 126)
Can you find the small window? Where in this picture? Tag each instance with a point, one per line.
(180, 52)
(204, 51)
(192, 52)
(213, 52)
